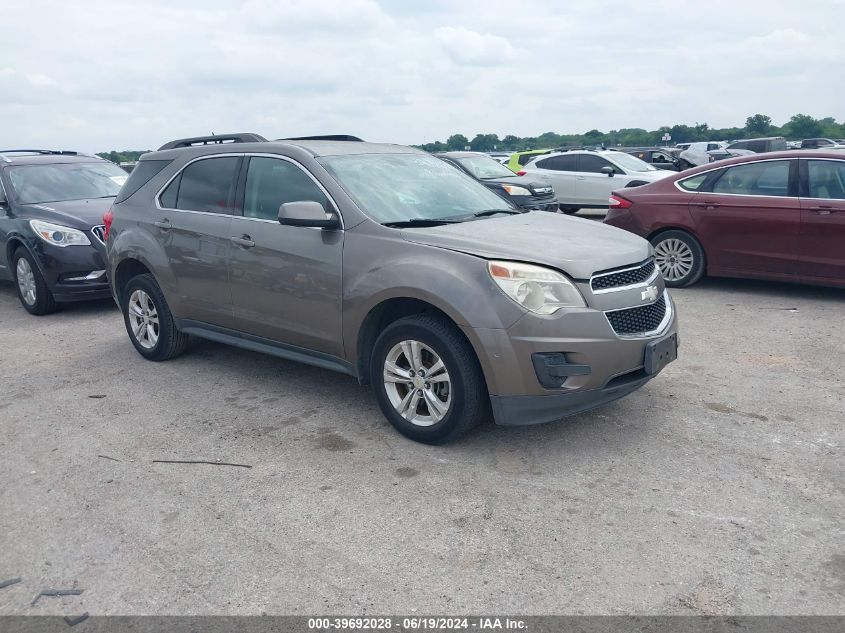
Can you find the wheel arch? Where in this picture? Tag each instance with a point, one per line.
(127, 269)
(383, 314)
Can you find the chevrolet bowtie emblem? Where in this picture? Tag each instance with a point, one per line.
(649, 293)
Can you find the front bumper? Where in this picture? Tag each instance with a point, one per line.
(525, 410)
(609, 366)
(65, 271)
(536, 204)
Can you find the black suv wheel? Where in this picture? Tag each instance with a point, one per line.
(33, 292)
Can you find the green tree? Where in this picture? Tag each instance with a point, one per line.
(457, 142)
(759, 124)
(510, 142)
(484, 142)
(803, 126)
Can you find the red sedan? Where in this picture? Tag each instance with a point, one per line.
(777, 216)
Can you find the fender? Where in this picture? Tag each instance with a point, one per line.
(135, 243)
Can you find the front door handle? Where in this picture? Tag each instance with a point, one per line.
(244, 241)
(824, 209)
(164, 224)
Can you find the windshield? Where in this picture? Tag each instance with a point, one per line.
(485, 167)
(66, 181)
(401, 187)
(630, 163)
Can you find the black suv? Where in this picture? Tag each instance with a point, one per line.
(51, 225)
(527, 193)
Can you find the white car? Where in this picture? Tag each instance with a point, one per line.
(584, 179)
(696, 154)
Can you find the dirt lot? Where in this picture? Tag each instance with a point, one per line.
(718, 488)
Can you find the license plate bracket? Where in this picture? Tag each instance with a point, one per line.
(660, 353)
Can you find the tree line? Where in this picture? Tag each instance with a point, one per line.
(798, 127)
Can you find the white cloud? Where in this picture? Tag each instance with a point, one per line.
(135, 74)
(469, 48)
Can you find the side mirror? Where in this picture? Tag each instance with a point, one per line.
(307, 213)
(607, 169)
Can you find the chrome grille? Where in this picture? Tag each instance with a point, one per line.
(99, 232)
(639, 320)
(627, 277)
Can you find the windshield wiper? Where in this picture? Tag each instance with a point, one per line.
(484, 214)
(410, 222)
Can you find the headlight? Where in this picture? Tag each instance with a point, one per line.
(541, 290)
(58, 235)
(516, 191)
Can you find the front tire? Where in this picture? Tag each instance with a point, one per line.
(679, 257)
(149, 322)
(569, 210)
(427, 379)
(33, 292)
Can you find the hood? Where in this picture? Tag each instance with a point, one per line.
(536, 187)
(79, 214)
(576, 246)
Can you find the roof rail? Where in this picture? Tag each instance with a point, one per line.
(215, 139)
(43, 152)
(324, 137)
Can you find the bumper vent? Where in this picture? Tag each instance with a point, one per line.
(640, 320)
(99, 232)
(621, 278)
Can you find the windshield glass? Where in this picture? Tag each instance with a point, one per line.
(629, 163)
(485, 167)
(400, 187)
(66, 181)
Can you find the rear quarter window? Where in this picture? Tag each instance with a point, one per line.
(144, 171)
(693, 183)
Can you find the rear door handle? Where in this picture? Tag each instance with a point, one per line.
(707, 204)
(164, 225)
(244, 241)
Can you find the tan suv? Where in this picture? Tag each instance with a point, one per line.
(385, 263)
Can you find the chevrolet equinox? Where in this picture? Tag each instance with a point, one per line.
(387, 264)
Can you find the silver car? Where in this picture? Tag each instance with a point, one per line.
(387, 264)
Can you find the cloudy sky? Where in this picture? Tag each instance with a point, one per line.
(131, 74)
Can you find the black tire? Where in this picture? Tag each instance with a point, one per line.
(44, 302)
(569, 210)
(699, 262)
(470, 404)
(170, 342)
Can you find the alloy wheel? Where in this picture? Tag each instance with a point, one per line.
(143, 319)
(417, 383)
(674, 258)
(26, 281)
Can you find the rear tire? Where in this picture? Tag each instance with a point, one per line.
(680, 258)
(149, 322)
(569, 210)
(427, 379)
(33, 292)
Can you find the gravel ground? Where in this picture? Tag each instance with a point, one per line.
(717, 488)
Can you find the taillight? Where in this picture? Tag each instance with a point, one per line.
(108, 216)
(521, 172)
(618, 202)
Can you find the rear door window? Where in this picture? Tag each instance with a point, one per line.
(769, 178)
(567, 162)
(207, 185)
(826, 179)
